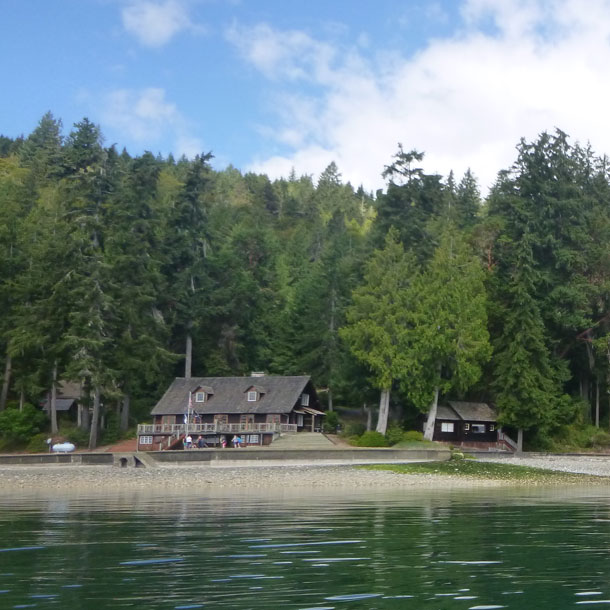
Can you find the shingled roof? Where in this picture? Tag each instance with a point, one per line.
(473, 411)
(230, 395)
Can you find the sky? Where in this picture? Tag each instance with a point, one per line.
(274, 85)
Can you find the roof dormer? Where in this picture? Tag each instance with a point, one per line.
(203, 393)
(255, 393)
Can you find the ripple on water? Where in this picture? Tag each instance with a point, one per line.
(147, 562)
(352, 597)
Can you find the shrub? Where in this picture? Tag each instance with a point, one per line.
(331, 421)
(354, 429)
(372, 439)
(394, 434)
(20, 426)
(600, 439)
(412, 436)
(112, 432)
(75, 435)
(38, 443)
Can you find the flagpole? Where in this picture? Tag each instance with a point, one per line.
(188, 416)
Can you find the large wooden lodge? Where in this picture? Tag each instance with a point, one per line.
(257, 408)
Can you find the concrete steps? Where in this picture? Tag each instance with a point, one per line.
(303, 440)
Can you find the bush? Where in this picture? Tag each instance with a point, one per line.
(75, 435)
(354, 429)
(20, 426)
(38, 443)
(112, 433)
(331, 422)
(394, 434)
(372, 439)
(600, 439)
(413, 436)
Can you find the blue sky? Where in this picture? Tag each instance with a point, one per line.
(269, 85)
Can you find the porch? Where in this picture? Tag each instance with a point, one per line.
(217, 427)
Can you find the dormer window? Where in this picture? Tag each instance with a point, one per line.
(304, 400)
(255, 392)
(203, 393)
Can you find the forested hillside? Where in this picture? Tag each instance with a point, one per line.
(122, 272)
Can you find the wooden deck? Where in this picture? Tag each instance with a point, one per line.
(215, 428)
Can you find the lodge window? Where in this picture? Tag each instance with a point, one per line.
(305, 400)
(300, 421)
(478, 428)
(252, 396)
(274, 418)
(466, 427)
(200, 397)
(446, 426)
(492, 427)
(146, 440)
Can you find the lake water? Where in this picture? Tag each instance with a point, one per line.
(433, 550)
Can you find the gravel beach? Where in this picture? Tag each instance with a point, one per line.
(202, 477)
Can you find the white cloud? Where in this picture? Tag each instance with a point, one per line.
(512, 69)
(147, 118)
(155, 23)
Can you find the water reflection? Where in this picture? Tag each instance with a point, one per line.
(428, 550)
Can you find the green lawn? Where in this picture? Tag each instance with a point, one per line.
(488, 470)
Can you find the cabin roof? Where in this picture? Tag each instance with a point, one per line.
(473, 411)
(230, 395)
(61, 404)
(443, 412)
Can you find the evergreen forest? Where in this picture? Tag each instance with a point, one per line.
(122, 272)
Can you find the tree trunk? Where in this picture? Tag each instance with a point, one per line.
(124, 424)
(369, 418)
(331, 328)
(384, 410)
(520, 440)
(21, 400)
(53, 402)
(95, 417)
(6, 382)
(188, 361)
(429, 429)
(596, 402)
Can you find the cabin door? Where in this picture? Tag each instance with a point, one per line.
(247, 420)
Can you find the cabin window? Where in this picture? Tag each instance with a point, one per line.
(274, 418)
(146, 440)
(478, 428)
(492, 427)
(252, 439)
(466, 427)
(221, 418)
(300, 421)
(447, 426)
(252, 396)
(200, 397)
(305, 400)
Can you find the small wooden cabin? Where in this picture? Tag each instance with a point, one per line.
(466, 423)
(67, 403)
(256, 408)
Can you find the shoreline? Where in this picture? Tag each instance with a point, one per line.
(318, 476)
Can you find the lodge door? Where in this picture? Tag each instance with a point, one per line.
(247, 420)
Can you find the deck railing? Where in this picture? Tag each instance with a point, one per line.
(215, 428)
